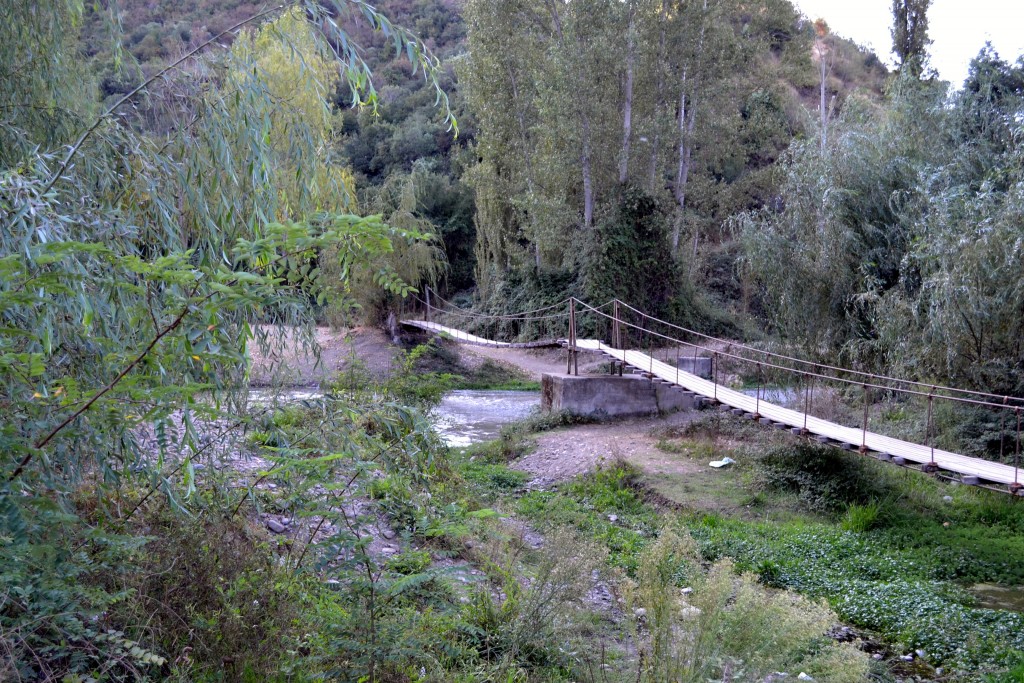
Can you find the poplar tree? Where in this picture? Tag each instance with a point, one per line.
(910, 34)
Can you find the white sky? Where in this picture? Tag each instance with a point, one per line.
(958, 29)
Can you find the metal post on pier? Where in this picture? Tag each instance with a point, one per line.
(1016, 487)
(616, 329)
(864, 426)
(931, 466)
(757, 395)
(617, 336)
(568, 339)
(575, 350)
(677, 363)
(650, 352)
(807, 400)
(714, 373)
(572, 365)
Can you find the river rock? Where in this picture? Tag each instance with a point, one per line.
(275, 526)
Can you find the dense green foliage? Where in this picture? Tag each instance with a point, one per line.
(896, 246)
(900, 577)
(188, 187)
(694, 106)
(144, 253)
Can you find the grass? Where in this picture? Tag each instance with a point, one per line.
(885, 547)
(604, 506)
(882, 546)
(443, 358)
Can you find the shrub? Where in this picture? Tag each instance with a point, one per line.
(728, 623)
(533, 623)
(824, 478)
(494, 477)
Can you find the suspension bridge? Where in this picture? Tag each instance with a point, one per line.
(632, 339)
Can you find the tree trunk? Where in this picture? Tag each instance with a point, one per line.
(627, 107)
(683, 153)
(588, 183)
(659, 102)
(526, 159)
(687, 121)
(821, 103)
(585, 152)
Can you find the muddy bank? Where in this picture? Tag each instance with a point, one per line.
(294, 360)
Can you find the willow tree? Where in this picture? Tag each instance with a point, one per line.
(135, 271)
(959, 312)
(839, 247)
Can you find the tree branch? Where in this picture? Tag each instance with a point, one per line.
(62, 169)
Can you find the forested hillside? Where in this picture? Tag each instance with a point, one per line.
(762, 89)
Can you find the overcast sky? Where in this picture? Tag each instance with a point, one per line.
(958, 28)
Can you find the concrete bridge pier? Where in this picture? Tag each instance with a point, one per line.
(612, 396)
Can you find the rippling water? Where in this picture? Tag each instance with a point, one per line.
(264, 396)
(469, 416)
(464, 417)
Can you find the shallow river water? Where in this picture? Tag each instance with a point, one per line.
(469, 416)
(463, 417)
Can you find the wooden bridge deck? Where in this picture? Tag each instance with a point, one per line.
(885, 447)
(970, 470)
(467, 338)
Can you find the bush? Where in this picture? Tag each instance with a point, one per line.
(494, 477)
(729, 623)
(824, 478)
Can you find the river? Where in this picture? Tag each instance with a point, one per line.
(469, 416)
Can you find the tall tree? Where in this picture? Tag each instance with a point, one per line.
(627, 97)
(826, 59)
(910, 34)
(702, 54)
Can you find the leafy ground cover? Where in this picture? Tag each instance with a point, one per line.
(891, 551)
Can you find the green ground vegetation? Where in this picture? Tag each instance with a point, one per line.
(891, 551)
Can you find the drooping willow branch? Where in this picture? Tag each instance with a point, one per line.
(87, 133)
(174, 324)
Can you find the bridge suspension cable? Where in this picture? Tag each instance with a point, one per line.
(971, 470)
(825, 366)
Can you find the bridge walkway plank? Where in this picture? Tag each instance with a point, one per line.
(855, 437)
(994, 472)
(467, 338)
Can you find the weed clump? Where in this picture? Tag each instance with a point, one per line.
(823, 478)
(861, 518)
(723, 625)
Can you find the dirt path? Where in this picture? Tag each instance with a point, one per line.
(534, 362)
(566, 453)
(299, 367)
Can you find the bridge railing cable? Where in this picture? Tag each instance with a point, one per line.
(823, 366)
(809, 373)
(720, 353)
(542, 323)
